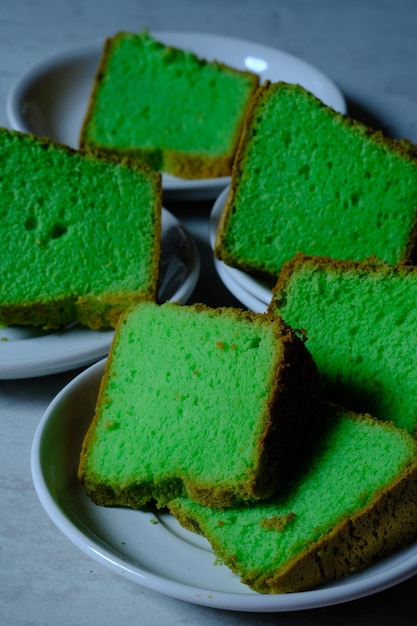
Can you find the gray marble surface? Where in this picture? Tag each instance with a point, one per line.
(369, 49)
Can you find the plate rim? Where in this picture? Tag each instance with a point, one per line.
(174, 185)
(243, 285)
(62, 358)
(400, 567)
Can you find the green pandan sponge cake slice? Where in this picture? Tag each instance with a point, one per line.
(215, 404)
(180, 113)
(353, 502)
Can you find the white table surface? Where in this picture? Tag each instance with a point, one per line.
(370, 50)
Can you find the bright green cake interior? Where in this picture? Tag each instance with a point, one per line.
(361, 332)
(154, 96)
(355, 458)
(65, 219)
(186, 397)
(313, 184)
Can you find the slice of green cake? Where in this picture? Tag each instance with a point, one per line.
(308, 179)
(181, 114)
(354, 502)
(360, 321)
(80, 234)
(215, 404)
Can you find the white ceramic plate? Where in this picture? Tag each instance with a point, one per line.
(252, 293)
(51, 98)
(26, 351)
(151, 548)
(250, 301)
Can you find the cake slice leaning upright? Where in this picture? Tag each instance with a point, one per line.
(360, 322)
(308, 179)
(215, 404)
